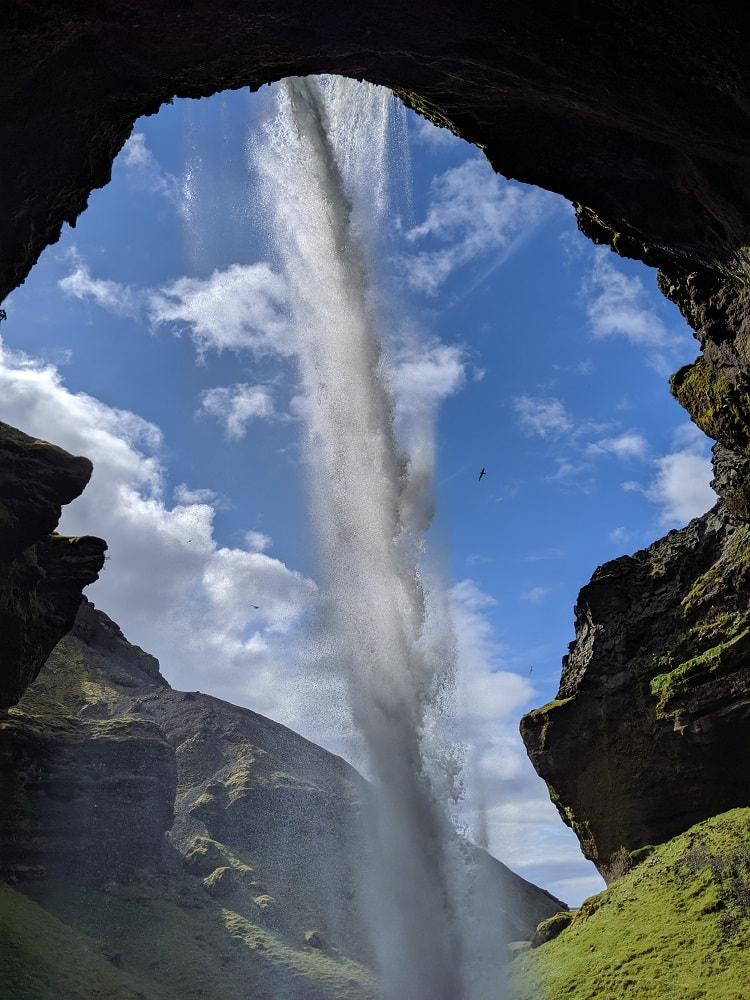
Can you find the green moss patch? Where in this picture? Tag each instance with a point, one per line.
(665, 686)
(675, 927)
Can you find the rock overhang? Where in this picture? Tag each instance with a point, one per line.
(637, 112)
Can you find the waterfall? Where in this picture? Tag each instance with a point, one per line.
(323, 164)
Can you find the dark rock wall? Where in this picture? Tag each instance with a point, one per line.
(638, 111)
(41, 574)
(650, 731)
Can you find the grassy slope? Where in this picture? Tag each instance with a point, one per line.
(677, 927)
(138, 941)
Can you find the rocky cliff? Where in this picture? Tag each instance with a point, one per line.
(122, 793)
(652, 718)
(41, 573)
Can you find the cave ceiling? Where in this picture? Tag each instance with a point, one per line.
(636, 111)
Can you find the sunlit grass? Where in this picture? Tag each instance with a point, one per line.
(677, 926)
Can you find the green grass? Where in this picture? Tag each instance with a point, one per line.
(143, 940)
(677, 927)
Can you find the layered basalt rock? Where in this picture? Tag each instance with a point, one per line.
(651, 724)
(41, 574)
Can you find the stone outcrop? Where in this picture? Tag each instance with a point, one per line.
(651, 724)
(41, 574)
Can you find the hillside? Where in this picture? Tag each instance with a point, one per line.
(677, 925)
(169, 844)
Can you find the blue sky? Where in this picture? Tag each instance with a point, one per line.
(154, 339)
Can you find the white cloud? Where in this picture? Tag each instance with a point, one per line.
(535, 595)
(543, 417)
(111, 295)
(173, 590)
(484, 688)
(241, 307)
(681, 487)
(625, 446)
(617, 305)
(620, 535)
(143, 170)
(235, 406)
(472, 212)
(183, 494)
(256, 541)
(422, 375)
(432, 136)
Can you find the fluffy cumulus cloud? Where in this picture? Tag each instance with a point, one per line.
(546, 418)
(242, 307)
(618, 305)
(628, 445)
(236, 406)
(472, 212)
(680, 485)
(218, 618)
(423, 375)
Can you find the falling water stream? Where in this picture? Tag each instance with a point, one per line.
(323, 161)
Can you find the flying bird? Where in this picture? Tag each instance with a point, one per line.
(482, 473)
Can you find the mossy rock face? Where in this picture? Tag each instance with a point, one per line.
(145, 940)
(651, 718)
(677, 925)
(265, 847)
(95, 798)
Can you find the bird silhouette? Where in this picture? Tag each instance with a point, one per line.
(482, 473)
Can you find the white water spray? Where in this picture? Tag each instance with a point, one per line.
(323, 163)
